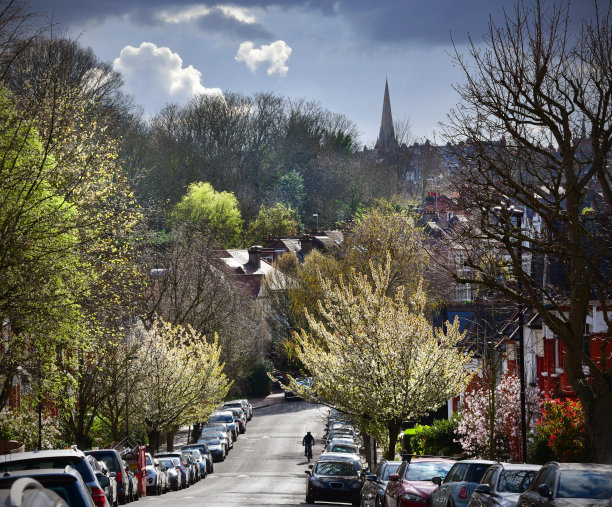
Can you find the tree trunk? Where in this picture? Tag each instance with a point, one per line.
(170, 439)
(598, 437)
(393, 427)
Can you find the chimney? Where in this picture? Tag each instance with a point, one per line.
(254, 256)
(306, 243)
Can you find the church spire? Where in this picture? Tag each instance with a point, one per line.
(386, 136)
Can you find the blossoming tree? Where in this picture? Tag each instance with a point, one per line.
(376, 356)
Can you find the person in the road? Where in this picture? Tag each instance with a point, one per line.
(308, 441)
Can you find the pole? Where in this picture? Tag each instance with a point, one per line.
(127, 403)
(521, 343)
(39, 425)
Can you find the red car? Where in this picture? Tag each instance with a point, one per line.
(412, 485)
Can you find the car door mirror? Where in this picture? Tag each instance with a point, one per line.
(104, 481)
(113, 474)
(311, 466)
(485, 489)
(544, 490)
(437, 480)
(394, 477)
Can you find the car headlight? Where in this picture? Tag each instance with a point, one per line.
(413, 498)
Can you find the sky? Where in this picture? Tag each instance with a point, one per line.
(337, 53)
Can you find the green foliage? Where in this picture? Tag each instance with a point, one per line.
(278, 220)
(289, 190)
(258, 382)
(22, 425)
(538, 450)
(217, 211)
(440, 438)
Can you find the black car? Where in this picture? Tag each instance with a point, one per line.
(67, 483)
(215, 447)
(112, 459)
(205, 452)
(334, 481)
(565, 484)
(373, 490)
(502, 484)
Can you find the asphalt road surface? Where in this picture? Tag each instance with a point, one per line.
(266, 466)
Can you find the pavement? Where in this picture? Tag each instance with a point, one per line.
(181, 439)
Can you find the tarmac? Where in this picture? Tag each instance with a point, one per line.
(180, 438)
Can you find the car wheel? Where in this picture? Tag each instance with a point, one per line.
(377, 502)
(122, 499)
(309, 499)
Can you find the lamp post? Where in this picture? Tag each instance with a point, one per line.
(518, 214)
(317, 216)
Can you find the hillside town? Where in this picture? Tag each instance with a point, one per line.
(237, 295)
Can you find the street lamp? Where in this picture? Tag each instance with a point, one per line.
(127, 395)
(518, 214)
(317, 216)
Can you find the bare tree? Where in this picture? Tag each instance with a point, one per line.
(534, 130)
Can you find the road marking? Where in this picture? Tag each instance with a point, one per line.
(243, 475)
(265, 437)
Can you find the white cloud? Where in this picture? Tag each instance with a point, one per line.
(159, 73)
(276, 54)
(188, 14)
(195, 12)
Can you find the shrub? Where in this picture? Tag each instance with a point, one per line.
(440, 438)
(562, 427)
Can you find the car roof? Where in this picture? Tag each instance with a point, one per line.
(519, 466)
(477, 461)
(23, 456)
(348, 441)
(440, 459)
(68, 473)
(583, 466)
(346, 456)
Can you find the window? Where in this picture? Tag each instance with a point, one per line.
(592, 484)
(456, 473)
(391, 468)
(515, 481)
(488, 478)
(426, 471)
(476, 472)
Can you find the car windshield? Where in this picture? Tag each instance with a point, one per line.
(212, 441)
(335, 468)
(426, 471)
(149, 461)
(515, 481)
(221, 418)
(343, 448)
(166, 463)
(75, 462)
(390, 469)
(594, 484)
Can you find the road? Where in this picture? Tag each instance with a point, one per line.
(266, 466)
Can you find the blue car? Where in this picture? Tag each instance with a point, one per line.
(334, 480)
(459, 483)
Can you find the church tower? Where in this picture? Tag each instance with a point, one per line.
(386, 137)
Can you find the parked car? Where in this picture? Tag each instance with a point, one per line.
(334, 480)
(239, 417)
(134, 493)
(174, 473)
(204, 452)
(562, 484)
(225, 437)
(154, 480)
(459, 484)
(177, 457)
(67, 483)
(192, 465)
(502, 484)
(112, 459)
(342, 445)
(200, 461)
(226, 417)
(107, 480)
(373, 490)
(30, 492)
(244, 404)
(215, 447)
(57, 458)
(412, 484)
